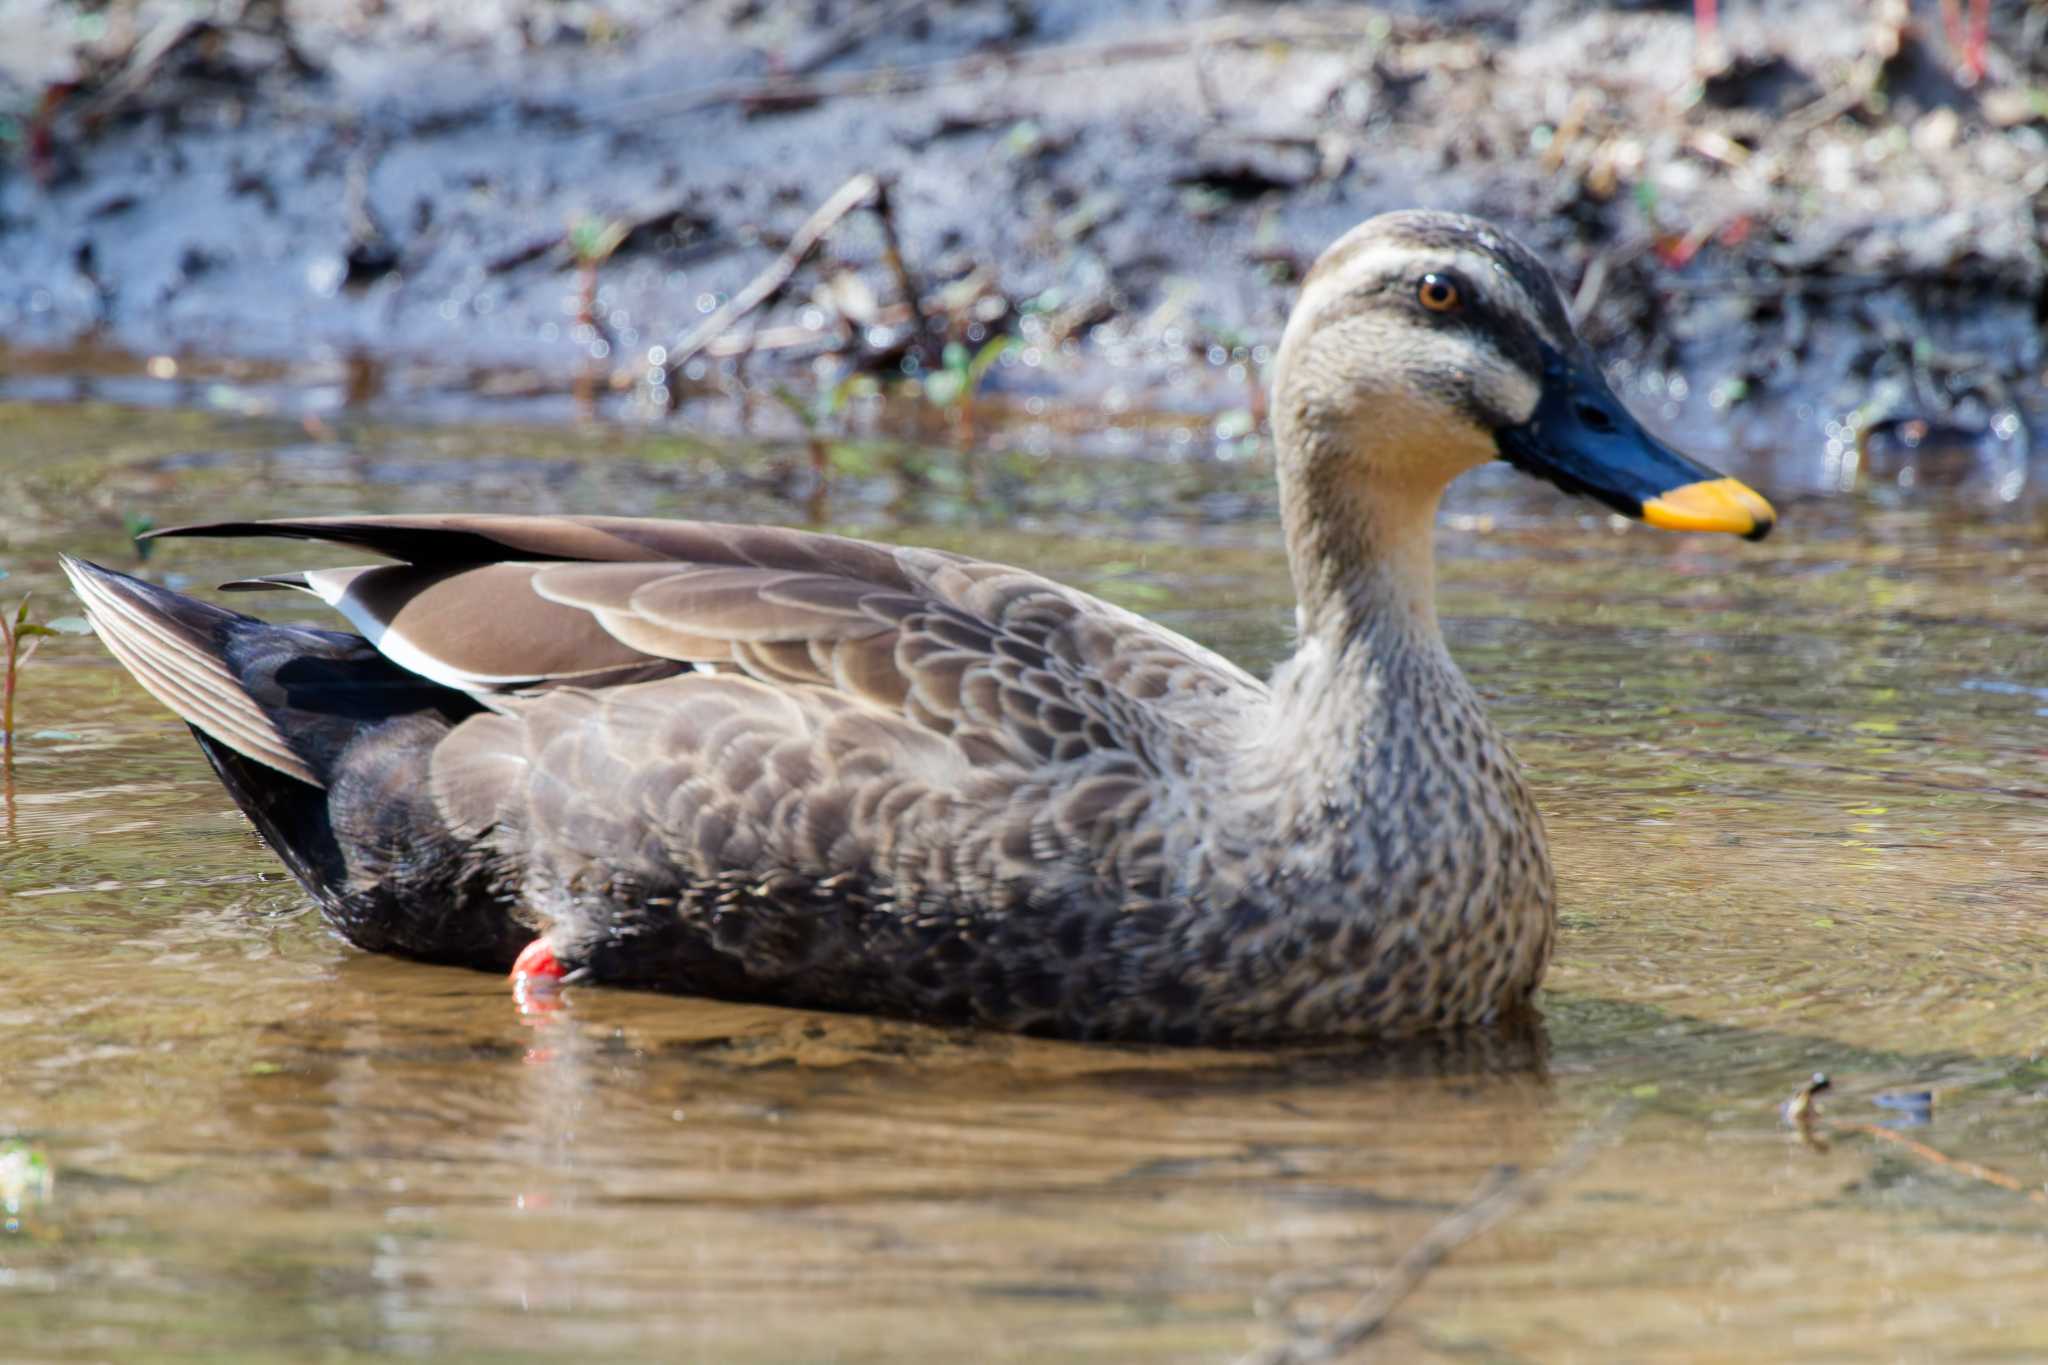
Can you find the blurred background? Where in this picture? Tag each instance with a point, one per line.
(1806, 230)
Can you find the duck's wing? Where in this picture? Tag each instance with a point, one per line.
(1001, 662)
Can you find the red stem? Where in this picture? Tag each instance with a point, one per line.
(1979, 41)
(7, 638)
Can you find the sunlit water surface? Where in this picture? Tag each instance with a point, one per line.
(1799, 809)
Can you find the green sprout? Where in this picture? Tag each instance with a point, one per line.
(823, 405)
(138, 525)
(959, 377)
(592, 241)
(13, 633)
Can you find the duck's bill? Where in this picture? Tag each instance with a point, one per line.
(1583, 440)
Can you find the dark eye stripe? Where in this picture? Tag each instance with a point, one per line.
(1496, 318)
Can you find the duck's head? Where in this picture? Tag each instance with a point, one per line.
(1425, 343)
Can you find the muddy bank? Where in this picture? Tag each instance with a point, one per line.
(1824, 213)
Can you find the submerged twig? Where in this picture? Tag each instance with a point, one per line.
(1802, 1111)
(1505, 1191)
(1934, 1156)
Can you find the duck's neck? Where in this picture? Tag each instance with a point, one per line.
(1370, 676)
(1363, 558)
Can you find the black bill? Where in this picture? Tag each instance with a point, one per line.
(1583, 440)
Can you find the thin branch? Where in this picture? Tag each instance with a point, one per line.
(1595, 279)
(1298, 27)
(892, 253)
(859, 190)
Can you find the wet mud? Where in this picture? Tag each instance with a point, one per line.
(1826, 211)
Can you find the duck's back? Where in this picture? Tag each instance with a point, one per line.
(952, 809)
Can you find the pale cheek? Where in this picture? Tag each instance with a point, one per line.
(1405, 436)
(1379, 391)
(1508, 392)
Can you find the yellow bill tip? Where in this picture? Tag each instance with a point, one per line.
(1712, 505)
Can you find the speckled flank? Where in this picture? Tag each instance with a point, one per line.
(772, 765)
(1038, 850)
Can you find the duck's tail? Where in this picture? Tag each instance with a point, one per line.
(324, 744)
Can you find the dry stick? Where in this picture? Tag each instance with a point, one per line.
(1865, 74)
(1595, 280)
(1505, 1191)
(892, 253)
(362, 223)
(1047, 61)
(1205, 85)
(153, 49)
(142, 61)
(861, 189)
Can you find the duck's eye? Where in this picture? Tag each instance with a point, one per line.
(1439, 293)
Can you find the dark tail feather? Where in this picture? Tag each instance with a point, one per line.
(179, 649)
(290, 698)
(325, 745)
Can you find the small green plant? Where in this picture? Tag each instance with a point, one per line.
(959, 376)
(825, 403)
(138, 525)
(591, 241)
(19, 639)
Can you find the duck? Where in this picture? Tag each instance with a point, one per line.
(782, 766)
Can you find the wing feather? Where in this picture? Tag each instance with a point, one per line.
(1003, 665)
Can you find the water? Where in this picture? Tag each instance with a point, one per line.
(1799, 812)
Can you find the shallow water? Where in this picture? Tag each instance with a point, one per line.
(1797, 802)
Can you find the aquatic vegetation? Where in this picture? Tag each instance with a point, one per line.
(815, 412)
(19, 640)
(138, 525)
(590, 242)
